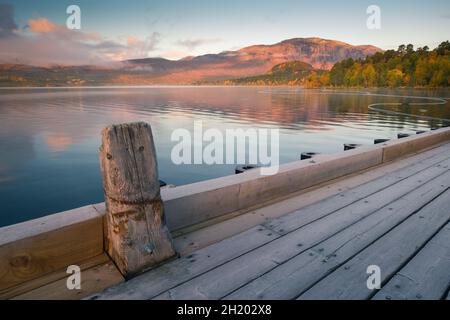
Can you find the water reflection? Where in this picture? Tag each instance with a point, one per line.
(49, 138)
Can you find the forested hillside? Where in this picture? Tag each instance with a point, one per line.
(404, 67)
(396, 68)
(288, 73)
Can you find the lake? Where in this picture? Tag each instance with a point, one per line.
(49, 137)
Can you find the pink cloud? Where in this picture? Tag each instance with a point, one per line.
(133, 41)
(41, 25)
(45, 42)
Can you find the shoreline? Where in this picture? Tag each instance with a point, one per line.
(137, 86)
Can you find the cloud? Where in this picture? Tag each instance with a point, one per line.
(7, 23)
(43, 42)
(41, 25)
(141, 48)
(45, 27)
(192, 44)
(445, 16)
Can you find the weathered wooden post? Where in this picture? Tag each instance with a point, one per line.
(135, 230)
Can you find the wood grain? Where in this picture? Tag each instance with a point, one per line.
(93, 279)
(426, 276)
(389, 253)
(52, 277)
(269, 265)
(136, 233)
(70, 237)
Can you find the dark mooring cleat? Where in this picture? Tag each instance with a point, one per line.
(403, 135)
(307, 155)
(351, 146)
(244, 168)
(378, 141)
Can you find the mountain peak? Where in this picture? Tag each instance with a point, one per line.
(257, 59)
(246, 62)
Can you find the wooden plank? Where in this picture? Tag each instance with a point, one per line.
(93, 280)
(239, 222)
(35, 227)
(146, 286)
(389, 253)
(199, 202)
(202, 201)
(426, 276)
(224, 279)
(293, 277)
(49, 278)
(398, 148)
(368, 190)
(155, 281)
(137, 236)
(35, 248)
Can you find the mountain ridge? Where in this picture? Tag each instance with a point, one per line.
(246, 62)
(256, 59)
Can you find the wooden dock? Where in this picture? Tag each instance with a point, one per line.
(316, 242)
(396, 218)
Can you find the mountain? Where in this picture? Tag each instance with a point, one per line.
(253, 60)
(246, 62)
(404, 67)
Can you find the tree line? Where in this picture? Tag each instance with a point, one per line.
(395, 68)
(404, 67)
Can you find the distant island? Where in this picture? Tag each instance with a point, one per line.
(310, 62)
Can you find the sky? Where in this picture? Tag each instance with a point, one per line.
(35, 32)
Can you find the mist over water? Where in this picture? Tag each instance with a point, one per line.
(49, 138)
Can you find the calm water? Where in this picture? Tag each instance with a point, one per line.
(49, 138)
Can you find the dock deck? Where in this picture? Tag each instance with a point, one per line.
(318, 244)
(370, 223)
